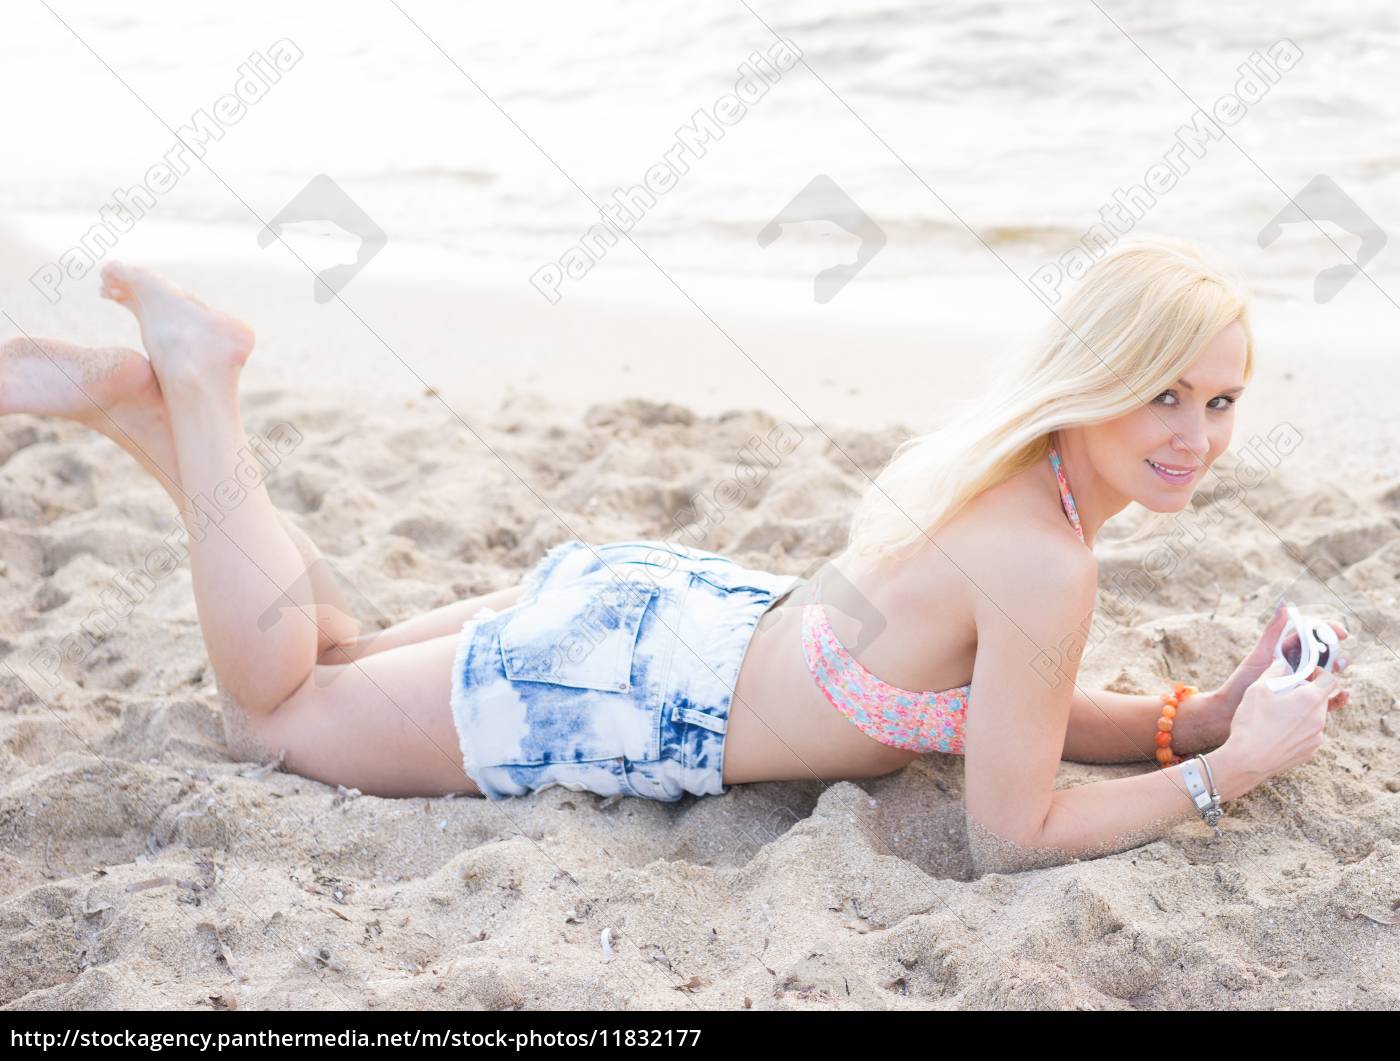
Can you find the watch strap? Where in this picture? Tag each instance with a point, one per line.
(1203, 795)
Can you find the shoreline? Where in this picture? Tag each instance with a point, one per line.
(904, 353)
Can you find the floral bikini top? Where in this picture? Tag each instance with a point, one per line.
(916, 721)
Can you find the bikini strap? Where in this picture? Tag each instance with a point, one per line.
(1066, 498)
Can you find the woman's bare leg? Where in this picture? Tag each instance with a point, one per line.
(114, 391)
(242, 561)
(110, 389)
(385, 725)
(377, 714)
(439, 622)
(382, 724)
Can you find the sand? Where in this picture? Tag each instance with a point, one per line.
(141, 865)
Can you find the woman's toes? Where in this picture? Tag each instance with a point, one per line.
(115, 283)
(186, 339)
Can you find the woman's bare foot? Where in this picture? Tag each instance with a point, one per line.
(111, 389)
(114, 391)
(48, 377)
(188, 342)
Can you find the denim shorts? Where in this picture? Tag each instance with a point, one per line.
(612, 674)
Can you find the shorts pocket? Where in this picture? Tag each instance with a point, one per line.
(582, 634)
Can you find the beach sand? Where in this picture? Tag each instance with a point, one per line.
(143, 866)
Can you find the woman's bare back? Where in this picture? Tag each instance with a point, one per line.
(909, 621)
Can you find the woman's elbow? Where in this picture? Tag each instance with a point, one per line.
(991, 853)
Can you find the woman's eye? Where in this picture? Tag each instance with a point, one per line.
(1176, 401)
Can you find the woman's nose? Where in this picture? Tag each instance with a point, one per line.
(1194, 441)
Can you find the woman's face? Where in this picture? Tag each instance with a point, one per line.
(1183, 429)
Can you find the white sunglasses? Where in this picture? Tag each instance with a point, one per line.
(1318, 647)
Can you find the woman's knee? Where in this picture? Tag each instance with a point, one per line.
(247, 736)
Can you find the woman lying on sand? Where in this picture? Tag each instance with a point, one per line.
(648, 669)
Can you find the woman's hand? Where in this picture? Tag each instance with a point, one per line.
(1261, 657)
(1275, 731)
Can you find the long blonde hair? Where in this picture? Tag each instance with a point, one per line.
(1134, 324)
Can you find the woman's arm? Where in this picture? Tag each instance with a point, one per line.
(1017, 726)
(1093, 820)
(1108, 727)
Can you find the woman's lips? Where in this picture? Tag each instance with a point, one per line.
(1176, 478)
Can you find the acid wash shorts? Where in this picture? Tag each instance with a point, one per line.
(613, 673)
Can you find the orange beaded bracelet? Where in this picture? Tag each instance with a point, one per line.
(1170, 702)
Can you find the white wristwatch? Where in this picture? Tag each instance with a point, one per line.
(1202, 790)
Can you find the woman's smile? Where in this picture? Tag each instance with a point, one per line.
(1173, 473)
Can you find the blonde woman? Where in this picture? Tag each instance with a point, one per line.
(650, 669)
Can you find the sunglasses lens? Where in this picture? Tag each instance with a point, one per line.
(1293, 653)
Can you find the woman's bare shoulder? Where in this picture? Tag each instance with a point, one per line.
(1008, 534)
